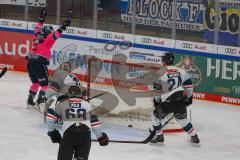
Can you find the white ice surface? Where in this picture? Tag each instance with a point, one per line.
(23, 134)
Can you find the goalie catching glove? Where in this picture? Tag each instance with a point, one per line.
(103, 141)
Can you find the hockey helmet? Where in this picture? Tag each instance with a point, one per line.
(168, 58)
(47, 29)
(65, 66)
(76, 91)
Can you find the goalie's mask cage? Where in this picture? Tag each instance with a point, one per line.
(129, 98)
(65, 66)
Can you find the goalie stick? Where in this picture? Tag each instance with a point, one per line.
(3, 71)
(90, 98)
(146, 140)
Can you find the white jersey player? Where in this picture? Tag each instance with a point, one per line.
(59, 84)
(60, 80)
(75, 117)
(175, 90)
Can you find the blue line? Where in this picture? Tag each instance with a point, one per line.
(17, 30)
(178, 51)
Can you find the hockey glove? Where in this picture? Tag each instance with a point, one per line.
(103, 141)
(55, 136)
(42, 15)
(65, 25)
(188, 101)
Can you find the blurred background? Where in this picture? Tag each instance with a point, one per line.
(173, 19)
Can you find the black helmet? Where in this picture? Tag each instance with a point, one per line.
(76, 91)
(168, 58)
(47, 29)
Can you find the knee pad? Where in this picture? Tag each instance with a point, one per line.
(181, 116)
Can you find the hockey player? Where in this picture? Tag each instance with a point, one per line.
(60, 80)
(75, 116)
(39, 57)
(59, 83)
(175, 90)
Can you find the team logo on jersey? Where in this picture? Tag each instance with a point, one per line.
(187, 63)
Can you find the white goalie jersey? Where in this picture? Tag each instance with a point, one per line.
(60, 82)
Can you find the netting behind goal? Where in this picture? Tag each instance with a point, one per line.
(127, 92)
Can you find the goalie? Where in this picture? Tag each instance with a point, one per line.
(175, 90)
(59, 83)
(75, 117)
(60, 80)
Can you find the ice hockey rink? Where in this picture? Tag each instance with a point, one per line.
(23, 133)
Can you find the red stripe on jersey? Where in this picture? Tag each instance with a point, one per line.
(190, 131)
(188, 86)
(95, 124)
(171, 70)
(51, 116)
(75, 100)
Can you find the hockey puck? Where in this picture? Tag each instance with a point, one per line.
(130, 126)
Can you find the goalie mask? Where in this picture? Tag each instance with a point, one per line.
(168, 58)
(65, 66)
(75, 91)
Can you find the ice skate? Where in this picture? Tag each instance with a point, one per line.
(30, 102)
(158, 140)
(40, 103)
(195, 141)
(41, 99)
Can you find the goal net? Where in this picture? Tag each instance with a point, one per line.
(127, 92)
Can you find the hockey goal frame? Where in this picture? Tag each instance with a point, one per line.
(108, 81)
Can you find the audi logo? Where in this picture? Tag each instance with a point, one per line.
(187, 45)
(107, 35)
(111, 45)
(5, 23)
(72, 31)
(146, 40)
(230, 51)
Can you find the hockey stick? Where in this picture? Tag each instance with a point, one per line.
(65, 96)
(146, 140)
(97, 96)
(3, 71)
(70, 11)
(63, 55)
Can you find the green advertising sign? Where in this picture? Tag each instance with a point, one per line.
(214, 76)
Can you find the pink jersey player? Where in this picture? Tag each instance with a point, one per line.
(39, 57)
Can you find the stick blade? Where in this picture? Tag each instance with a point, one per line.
(150, 137)
(3, 71)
